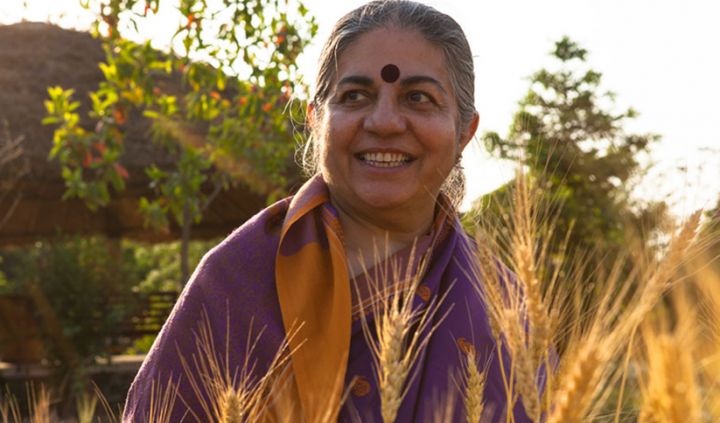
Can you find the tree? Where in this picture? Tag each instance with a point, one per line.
(567, 135)
(237, 61)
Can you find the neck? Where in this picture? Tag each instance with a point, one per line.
(370, 239)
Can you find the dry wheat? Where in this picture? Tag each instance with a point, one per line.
(9, 407)
(474, 388)
(396, 349)
(86, 405)
(671, 392)
(658, 282)
(577, 390)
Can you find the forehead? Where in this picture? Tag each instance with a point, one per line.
(408, 50)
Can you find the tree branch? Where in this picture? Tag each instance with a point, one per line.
(10, 211)
(211, 197)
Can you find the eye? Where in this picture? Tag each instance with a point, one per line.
(419, 97)
(353, 96)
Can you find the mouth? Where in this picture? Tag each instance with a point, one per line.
(385, 159)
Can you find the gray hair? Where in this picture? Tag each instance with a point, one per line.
(435, 27)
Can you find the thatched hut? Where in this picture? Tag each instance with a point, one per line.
(35, 56)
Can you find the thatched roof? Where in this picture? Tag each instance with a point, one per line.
(35, 56)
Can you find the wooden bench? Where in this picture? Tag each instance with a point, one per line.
(147, 314)
(155, 307)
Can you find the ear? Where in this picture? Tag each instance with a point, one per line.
(469, 132)
(311, 114)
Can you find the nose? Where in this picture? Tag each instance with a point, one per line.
(385, 118)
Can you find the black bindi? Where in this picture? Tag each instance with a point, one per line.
(390, 73)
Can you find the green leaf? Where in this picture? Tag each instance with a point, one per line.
(50, 120)
(50, 107)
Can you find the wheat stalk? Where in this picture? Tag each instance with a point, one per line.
(394, 319)
(9, 407)
(86, 405)
(232, 393)
(523, 364)
(162, 401)
(486, 270)
(39, 404)
(443, 404)
(518, 309)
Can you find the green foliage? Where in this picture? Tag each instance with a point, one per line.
(84, 153)
(157, 267)
(6, 286)
(142, 345)
(237, 63)
(244, 131)
(91, 291)
(567, 134)
(83, 283)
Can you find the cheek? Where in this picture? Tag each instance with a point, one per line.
(336, 136)
(327, 157)
(323, 153)
(445, 141)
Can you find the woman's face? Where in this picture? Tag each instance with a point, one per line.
(389, 144)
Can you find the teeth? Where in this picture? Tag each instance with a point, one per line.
(385, 159)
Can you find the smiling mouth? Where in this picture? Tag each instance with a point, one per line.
(384, 159)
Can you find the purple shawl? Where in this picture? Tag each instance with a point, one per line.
(236, 283)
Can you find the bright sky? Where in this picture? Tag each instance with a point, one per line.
(660, 57)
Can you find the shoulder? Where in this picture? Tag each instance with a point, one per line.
(249, 248)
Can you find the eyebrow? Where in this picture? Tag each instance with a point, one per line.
(364, 81)
(411, 80)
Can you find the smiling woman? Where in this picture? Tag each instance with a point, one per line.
(365, 270)
(386, 148)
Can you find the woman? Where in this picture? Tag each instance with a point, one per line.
(393, 111)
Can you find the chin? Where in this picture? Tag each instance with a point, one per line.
(387, 199)
(384, 203)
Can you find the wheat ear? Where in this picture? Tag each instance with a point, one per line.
(576, 393)
(232, 392)
(525, 223)
(658, 283)
(523, 364)
(486, 270)
(672, 393)
(474, 388)
(393, 321)
(232, 407)
(394, 370)
(504, 308)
